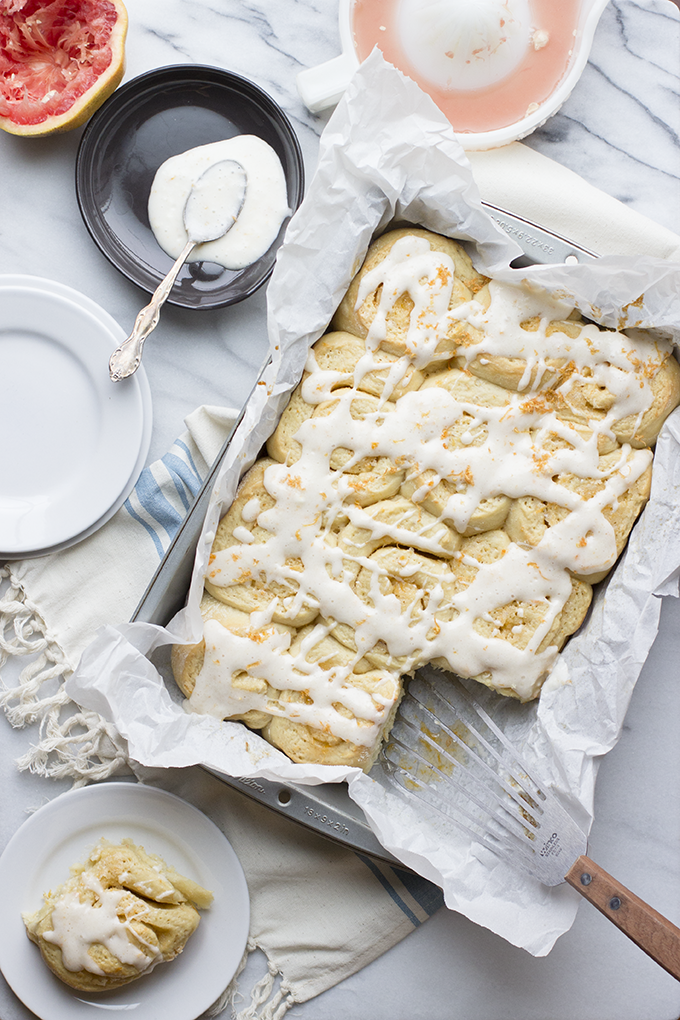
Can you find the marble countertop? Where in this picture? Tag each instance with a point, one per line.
(620, 130)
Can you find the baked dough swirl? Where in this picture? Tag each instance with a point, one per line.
(460, 462)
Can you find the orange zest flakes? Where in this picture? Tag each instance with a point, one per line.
(541, 460)
(258, 636)
(444, 275)
(645, 369)
(537, 405)
(294, 481)
(638, 303)
(457, 478)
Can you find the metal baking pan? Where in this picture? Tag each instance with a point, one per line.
(327, 809)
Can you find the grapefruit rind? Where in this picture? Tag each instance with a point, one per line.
(89, 102)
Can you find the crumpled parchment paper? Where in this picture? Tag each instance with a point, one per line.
(388, 154)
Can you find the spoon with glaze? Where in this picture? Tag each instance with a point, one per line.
(212, 207)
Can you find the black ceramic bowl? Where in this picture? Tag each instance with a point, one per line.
(149, 119)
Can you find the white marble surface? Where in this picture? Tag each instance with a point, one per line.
(620, 130)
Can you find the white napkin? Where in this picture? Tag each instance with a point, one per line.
(354, 909)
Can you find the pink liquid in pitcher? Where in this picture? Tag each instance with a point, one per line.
(487, 64)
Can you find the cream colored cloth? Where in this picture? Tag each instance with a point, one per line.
(520, 180)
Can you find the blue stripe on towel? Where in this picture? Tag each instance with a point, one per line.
(152, 531)
(187, 481)
(184, 471)
(156, 504)
(428, 896)
(181, 484)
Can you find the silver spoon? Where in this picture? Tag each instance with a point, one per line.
(212, 208)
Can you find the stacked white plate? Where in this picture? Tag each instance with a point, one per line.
(73, 442)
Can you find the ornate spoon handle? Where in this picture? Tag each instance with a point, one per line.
(126, 359)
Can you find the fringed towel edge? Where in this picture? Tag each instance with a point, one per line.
(267, 1002)
(72, 743)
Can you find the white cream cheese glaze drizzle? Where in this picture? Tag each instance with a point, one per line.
(503, 452)
(78, 925)
(264, 209)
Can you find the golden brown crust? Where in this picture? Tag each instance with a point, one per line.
(665, 385)
(305, 744)
(187, 660)
(398, 520)
(512, 373)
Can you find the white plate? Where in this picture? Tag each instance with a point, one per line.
(38, 858)
(77, 438)
(14, 280)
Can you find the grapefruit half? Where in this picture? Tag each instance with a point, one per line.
(59, 61)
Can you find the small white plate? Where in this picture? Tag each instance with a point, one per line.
(77, 438)
(58, 835)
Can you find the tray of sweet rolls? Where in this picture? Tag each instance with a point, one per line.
(461, 461)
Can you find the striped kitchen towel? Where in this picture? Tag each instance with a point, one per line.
(353, 908)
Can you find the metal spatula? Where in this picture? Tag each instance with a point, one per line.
(447, 753)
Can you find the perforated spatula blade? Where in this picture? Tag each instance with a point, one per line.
(446, 752)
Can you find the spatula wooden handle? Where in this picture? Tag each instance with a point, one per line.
(645, 926)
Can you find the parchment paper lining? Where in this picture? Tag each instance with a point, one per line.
(388, 154)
